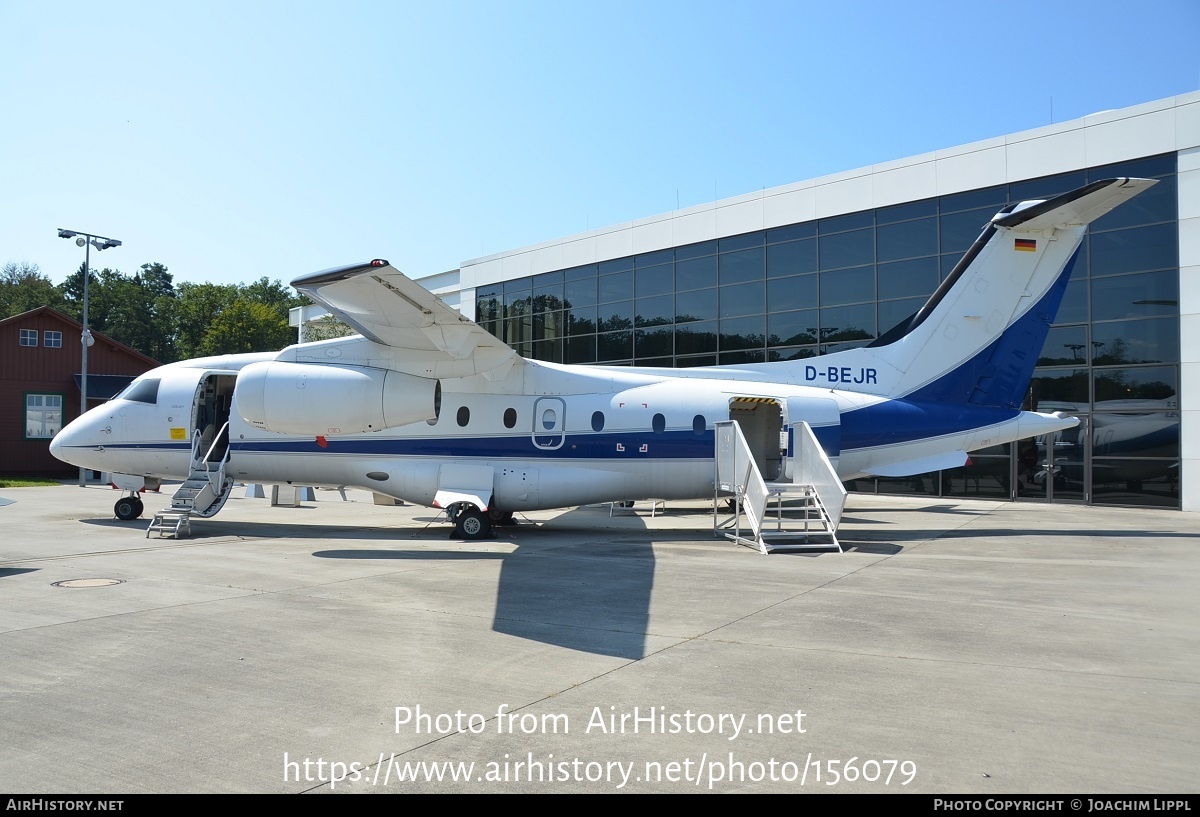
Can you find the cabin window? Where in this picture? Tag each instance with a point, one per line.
(52, 339)
(464, 416)
(142, 391)
(659, 424)
(28, 337)
(43, 416)
(549, 419)
(597, 421)
(510, 417)
(699, 424)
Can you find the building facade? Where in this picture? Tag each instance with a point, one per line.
(40, 372)
(831, 263)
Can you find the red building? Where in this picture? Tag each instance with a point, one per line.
(40, 364)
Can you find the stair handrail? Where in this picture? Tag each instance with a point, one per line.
(217, 485)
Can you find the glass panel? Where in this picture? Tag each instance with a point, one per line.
(1140, 248)
(742, 299)
(547, 325)
(618, 287)
(580, 350)
(615, 346)
(792, 258)
(549, 350)
(1153, 384)
(578, 273)
(905, 279)
(1152, 206)
(1065, 346)
(700, 305)
(581, 321)
(991, 197)
(656, 362)
(792, 353)
(797, 292)
(650, 259)
(1060, 390)
(654, 280)
(654, 342)
(791, 328)
(845, 323)
(696, 274)
(741, 357)
(701, 360)
(851, 221)
(892, 312)
(846, 286)
(1135, 482)
(1145, 341)
(743, 333)
(546, 301)
(1148, 434)
(693, 338)
(1074, 306)
(522, 300)
(908, 239)
(742, 266)
(847, 249)
(654, 311)
(1142, 168)
(904, 212)
(1046, 187)
(696, 250)
(792, 232)
(959, 231)
(982, 476)
(581, 293)
(741, 242)
(615, 316)
(920, 484)
(616, 265)
(1136, 296)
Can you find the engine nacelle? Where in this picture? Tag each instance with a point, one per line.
(316, 399)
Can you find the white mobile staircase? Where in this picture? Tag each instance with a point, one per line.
(203, 493)
(814, 498)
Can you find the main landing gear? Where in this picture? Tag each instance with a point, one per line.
(470, 523)
(128, 508)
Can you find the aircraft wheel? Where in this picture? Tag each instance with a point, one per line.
(140, 507)
(127, 508)
(473, 524)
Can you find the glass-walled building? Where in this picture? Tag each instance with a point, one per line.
(833, 263)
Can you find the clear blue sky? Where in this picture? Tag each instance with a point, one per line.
(233, 140)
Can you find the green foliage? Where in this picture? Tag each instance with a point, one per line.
(23, 287)
(148, 312)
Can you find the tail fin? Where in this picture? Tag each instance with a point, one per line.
(978, 337)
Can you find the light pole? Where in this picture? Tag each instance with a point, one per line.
(88, 241)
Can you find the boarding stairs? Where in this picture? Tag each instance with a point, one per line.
(801, 514)
(203, 493)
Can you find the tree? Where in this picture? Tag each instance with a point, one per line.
(246, 326)
(23, 287)
(327, 327)
(198, 306)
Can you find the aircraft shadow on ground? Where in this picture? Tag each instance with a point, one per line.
(5, 572)
(591, 595)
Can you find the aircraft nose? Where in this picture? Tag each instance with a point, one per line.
(69, 441)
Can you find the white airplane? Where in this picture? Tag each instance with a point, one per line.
(428, 407)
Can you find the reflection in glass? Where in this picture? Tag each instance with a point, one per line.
(843, 323)
(1064, 346)
(1145, 295)
(696, 274)
(700, 305)
(743, 333)
(908, 239)
(692, 338)
(654, 342)
(792, 258)
(618, 287)
(614, 346)
(792, 328)
(742, 299)
(1145, 341)
(740, 267)
(847, 249)
(1147, 383)
(797, 292)
(654, 311)
(1141, 248)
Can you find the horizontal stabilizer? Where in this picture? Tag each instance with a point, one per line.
(924, 465)
(1074, 209)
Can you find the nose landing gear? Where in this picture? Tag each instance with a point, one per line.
(128, 508)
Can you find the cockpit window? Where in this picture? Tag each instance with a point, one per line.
(142, 391)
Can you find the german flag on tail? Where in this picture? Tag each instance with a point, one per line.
(1025, 245)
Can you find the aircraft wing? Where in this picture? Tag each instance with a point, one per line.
(389, 308)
